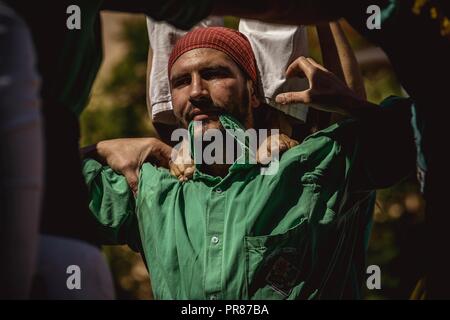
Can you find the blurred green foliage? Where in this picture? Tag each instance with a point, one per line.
(118, 109)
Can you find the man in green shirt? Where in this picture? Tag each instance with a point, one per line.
(231, 232)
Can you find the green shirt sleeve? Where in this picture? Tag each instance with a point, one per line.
(112, 203)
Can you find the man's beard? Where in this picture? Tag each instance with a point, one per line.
(203, 130)
(239, 110)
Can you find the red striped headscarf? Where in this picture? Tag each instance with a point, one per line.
(231, 42)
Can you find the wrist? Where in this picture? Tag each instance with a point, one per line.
(100, 149)
(89, 151)
(358, 108)
(154, 149)
(150, 146)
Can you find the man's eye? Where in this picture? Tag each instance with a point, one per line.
(181, 82)
(214, 74)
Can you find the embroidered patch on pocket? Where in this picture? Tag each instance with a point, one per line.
(282, 276)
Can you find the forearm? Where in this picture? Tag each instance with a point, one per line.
(339, 58)
(96, 151)
(128, 154)
(329, 50)
(349, 64)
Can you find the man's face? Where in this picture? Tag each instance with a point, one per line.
(206, 83)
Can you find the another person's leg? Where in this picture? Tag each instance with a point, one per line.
(21, 163)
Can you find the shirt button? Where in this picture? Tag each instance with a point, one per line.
(213, 297)
(218, 190)
(215, 240)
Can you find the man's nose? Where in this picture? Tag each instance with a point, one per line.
(198, 88)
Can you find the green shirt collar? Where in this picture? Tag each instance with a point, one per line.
(232, 127)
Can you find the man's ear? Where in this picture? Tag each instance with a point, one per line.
(255, 102)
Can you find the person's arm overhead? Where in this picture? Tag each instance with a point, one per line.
(183, 14)
(339, 57)
(281, 11)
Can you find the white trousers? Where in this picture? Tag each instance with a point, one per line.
(275, 47)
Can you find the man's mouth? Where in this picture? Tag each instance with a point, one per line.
(201, 115)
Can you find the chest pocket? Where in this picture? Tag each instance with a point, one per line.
(277, 265)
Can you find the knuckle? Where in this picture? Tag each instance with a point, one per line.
(314, 73)
(290, 96)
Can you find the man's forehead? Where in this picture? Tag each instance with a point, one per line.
(201, 58)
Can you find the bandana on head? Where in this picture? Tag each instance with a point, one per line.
(231, 42)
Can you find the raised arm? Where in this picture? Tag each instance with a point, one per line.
(281, 11)
(386, 150)
(183, 14)
(338, 56)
